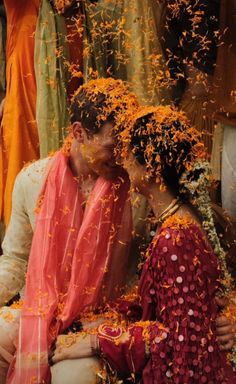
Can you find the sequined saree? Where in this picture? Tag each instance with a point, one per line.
(179, 282)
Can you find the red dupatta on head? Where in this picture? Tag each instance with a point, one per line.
(76, 257)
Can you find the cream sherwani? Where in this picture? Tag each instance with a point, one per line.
(17, 242)
(13, 266)
(16, 248)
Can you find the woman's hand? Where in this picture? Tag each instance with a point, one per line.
(225, 329)
(73, 346)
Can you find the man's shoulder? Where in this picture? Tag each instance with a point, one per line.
(34, 173)
(28, 185)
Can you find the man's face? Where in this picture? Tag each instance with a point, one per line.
(98, 151)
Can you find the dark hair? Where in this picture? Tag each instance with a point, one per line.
(102, 100)
(88, 110)
(172, 154)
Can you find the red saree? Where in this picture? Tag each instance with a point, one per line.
(178, 286)
(78, 259)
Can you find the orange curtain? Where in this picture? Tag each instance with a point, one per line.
(19, 136)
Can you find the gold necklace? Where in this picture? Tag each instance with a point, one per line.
(169, 211)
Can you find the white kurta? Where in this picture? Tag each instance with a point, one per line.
(17, 242)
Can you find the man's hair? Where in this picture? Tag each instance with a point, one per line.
(100, 101)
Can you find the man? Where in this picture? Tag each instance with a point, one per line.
(75, 252)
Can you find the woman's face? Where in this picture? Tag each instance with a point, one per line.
(136, 172)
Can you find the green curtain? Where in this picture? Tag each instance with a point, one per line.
(103, 40)
(51, 54)
(122, 40)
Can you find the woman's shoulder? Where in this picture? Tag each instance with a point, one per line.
(181, 245)
(184, 226)
(179, 234)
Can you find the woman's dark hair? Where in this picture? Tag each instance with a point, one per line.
(168, 154)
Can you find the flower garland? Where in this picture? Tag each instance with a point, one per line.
(197, 192)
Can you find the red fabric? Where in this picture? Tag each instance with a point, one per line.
(77, 260)
(126, 354)
(178, 288)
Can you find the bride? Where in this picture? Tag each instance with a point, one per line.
(175, 341)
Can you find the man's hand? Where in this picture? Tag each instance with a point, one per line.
(73, 346)
(225, 329)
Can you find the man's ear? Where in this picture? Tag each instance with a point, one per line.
(78, 132)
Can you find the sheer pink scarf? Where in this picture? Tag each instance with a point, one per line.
(78, 259)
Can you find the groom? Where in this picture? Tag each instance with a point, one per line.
(75, 252)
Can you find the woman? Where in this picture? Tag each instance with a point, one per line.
(185, 269)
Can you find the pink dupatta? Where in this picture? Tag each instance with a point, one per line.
(78, 259)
